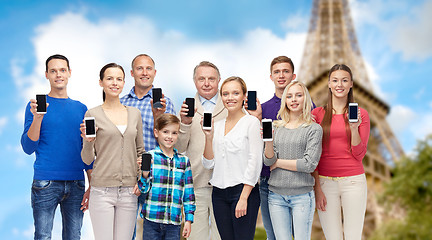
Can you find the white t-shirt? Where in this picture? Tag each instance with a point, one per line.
(237, 155)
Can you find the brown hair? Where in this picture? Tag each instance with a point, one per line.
(164, 120)
(235, 79)
(328, 115)
(281, 59)
(205, 64)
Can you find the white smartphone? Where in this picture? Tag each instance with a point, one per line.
(207, 121)
(90, 125)
(41, 104)
(267, 130)
(353, 112)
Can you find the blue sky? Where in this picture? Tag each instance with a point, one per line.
(240, 37)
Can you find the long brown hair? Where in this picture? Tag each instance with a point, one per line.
(328, 108)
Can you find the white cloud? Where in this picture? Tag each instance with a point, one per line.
(3, 123)
(413, 36)
(89, 45)
(296, 22)
(401, 118)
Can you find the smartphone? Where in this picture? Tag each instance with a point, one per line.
(41, 104)
(267, 130)
(251, 100)
(207, 121)
(90, 125)
(157, 95)
(190, 102)
(353, 112)
(146, 161)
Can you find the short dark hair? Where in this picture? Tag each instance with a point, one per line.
(281, 59)
(56, 56)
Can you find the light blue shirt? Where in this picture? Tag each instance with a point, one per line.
(208, 105)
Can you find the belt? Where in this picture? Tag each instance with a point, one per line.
(333, 178)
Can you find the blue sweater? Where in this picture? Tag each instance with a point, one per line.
(58, 150)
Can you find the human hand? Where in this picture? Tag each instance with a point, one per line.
(256, 113)
(183, 112)
(187, 229)
(83, 135)
(241, 208)
(85, 201)
(320, 199)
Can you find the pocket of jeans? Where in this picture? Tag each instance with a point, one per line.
(41, 184)
(80, 184)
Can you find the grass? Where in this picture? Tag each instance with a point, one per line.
(260, 234)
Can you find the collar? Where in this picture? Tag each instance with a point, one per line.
(212, 100)
(159, 151)
(133, 95)
(276, 99)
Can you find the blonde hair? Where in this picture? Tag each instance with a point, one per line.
(283, 114)
(234, 79)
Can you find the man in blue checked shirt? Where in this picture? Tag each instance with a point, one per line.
(140, 96)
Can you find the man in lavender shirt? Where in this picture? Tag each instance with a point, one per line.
(281, 73)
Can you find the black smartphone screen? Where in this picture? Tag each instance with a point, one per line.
(41, 103)
(207, 120)
(267, 130)
(252, 104)
(90, 127)
(157, 95)
(353, 111)
(190, 102)
(146, 161)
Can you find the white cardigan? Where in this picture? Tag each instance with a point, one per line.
(237, 155)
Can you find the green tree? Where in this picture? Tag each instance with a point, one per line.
(411, 190)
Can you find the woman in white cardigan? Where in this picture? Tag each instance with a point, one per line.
(233, 149)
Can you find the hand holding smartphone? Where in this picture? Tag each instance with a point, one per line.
(251, 100)
(353, 112)
(41, 104)
(190, 102)
(157, 95)
(146, 161)
(207, 121)
(90, 125)
(267, 130)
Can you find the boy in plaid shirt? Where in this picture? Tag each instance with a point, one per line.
(169, 185)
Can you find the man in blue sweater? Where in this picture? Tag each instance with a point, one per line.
(58, 168)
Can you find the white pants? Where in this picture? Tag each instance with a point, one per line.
(351, 194)
(201, 228)
(113, 212)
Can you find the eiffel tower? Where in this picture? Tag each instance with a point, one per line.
(331, 39)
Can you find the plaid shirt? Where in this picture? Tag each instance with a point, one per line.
(144, 106)
(169, 186)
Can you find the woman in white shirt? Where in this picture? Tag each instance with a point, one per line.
(233, 149)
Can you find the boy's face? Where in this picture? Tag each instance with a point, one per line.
(167, 136)
(282, 74)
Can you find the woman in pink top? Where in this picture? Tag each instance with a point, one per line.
(340, 181)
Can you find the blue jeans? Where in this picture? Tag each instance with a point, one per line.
(224, 205)
(46, 195)
(160, 231)
(292, 215)
(265, 214)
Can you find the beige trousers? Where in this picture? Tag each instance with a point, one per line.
(112, 212)
(350, 195)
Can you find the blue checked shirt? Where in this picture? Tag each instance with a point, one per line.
(144, 106)
(169, 186)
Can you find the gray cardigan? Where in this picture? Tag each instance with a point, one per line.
(116, 153)
(302, 144)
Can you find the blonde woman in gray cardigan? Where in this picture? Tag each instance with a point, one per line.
(115, 151)
(292, 156)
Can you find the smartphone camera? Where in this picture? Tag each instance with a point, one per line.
(267, 130)
(353, 112)
(90, 125)
(207, 121)
(41, 104)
